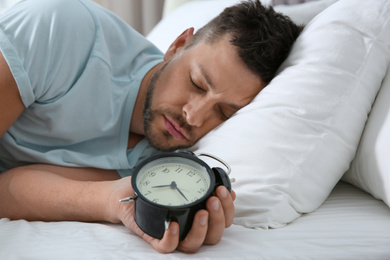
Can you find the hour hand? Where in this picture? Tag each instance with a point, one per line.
(172, 186)
(161, 186)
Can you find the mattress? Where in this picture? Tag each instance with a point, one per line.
(351, 224)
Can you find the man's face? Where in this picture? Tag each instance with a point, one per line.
(195, 91)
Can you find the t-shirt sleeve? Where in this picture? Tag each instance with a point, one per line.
(46, 43)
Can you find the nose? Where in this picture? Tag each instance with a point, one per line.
(196, 112)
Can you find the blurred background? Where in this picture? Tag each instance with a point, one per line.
(143, 15)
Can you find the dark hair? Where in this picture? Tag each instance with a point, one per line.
(263, 37)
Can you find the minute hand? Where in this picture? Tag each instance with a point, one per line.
(181, 193)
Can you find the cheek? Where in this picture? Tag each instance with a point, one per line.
(169, 93)
(163, 99)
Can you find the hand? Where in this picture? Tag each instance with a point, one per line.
(207, 228)
(218, 215)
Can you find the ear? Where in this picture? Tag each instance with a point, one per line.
(179, 43)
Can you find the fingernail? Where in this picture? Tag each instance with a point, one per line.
(203, 220)
(174, 230)
(223, 193)
(215, 205)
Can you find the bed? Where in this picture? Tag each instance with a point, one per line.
(311, 167)
(349, 225)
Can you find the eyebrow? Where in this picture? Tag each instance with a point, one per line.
(210, 83)
(206, 76)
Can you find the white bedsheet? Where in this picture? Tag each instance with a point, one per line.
(351, 224)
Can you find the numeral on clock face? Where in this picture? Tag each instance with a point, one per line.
(173, 183)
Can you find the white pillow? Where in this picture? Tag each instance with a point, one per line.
(370, 169)
(303, 13)
(292, 144)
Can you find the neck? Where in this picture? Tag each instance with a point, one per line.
(137, 122)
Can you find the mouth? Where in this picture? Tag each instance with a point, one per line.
(175, 130)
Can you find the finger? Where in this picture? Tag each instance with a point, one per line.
(197, 234)
(170, 240)
(168, 243)
(216, 225)
(226, 200)
(233, 194)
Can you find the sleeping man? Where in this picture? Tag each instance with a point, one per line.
(84, 98)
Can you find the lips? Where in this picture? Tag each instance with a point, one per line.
(175, 129)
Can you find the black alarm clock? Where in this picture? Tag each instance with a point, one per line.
(173, 186)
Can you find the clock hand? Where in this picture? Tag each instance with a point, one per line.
(181, 193)
(174, 185)
(162, 186)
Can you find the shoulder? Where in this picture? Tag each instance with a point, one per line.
(47, 18)
(38, 33)
(59, 7)
(66, 13)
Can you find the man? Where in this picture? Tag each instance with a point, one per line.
(79, 91)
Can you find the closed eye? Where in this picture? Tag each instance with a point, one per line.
(223, 115)
(196, 85)
(227, 111)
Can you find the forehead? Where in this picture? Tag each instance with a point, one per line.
(219, 66)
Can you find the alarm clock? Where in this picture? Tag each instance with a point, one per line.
(173, 186)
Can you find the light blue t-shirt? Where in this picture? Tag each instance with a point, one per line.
(78, 68)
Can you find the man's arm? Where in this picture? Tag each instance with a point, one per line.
(44, 192)
(11, 105)
(51, 193)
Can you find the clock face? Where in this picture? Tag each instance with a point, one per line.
(173, 181)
